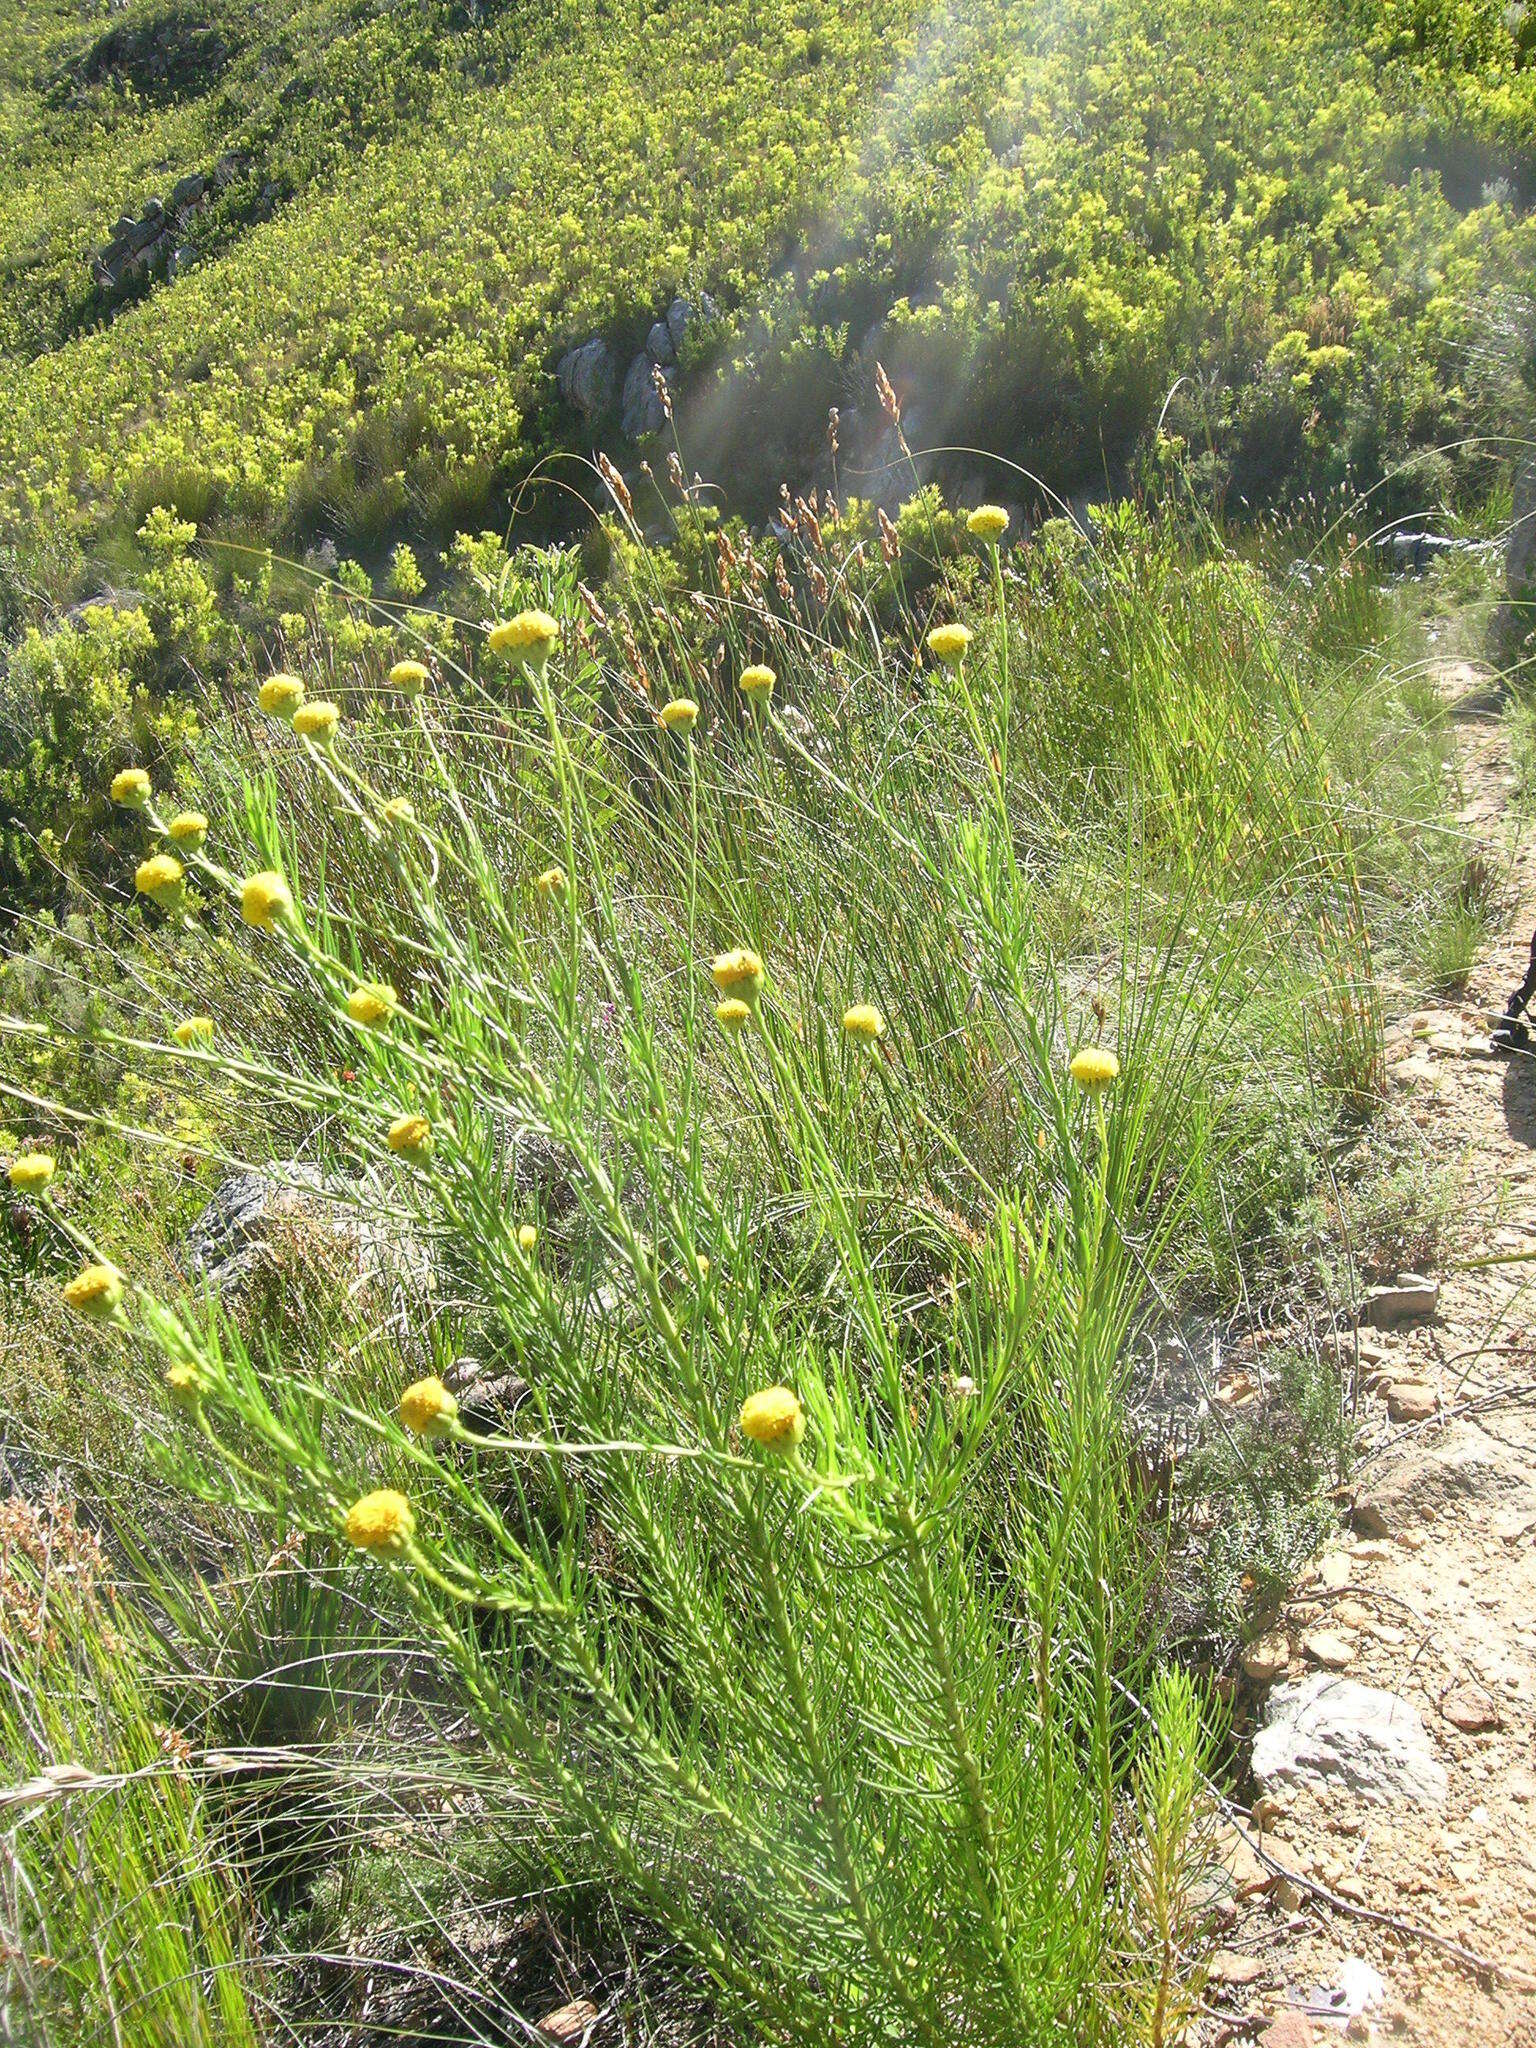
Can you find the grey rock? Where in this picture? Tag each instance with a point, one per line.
(1326, 1731)
(188, 191)
(181, 260)
(681, 315)
(586, 376)
(1520, 548)
(659, 345)
(1412, 1299)
(231, 1239)
(641, 408)
(124, 228)
(154, 210)
(1435, 1478)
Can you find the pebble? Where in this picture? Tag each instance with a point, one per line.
(1411, 1401)
(1332, 1652)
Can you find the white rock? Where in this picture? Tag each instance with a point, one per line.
(1328, 1731)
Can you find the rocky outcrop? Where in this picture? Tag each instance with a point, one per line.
(154, 242)
(589, 380)
(1372, 1743)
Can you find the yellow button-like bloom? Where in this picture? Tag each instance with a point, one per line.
(399, 812)
(317, 721)
(281, 695)
(531, 638)
(96, 1293)
(864, 1022)
(411, 1137)
(427, 1408)
(527, 1238)
(1094, 1069)
(188, 830)
(131, 788)
(551, 882)
(948, 644)
(193, 1031)
(680, 715)
(409, 677)
(372, 1002)
(30, 1172)
(733, 1016)
(773, 1419)
(265, 901)
(757, 683)
(381, 1521)
(988, 522)
(183, 1385)
(163, 879)
(738, 973)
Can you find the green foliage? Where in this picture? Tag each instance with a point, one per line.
(77, 704)
(788, 1710)
(148, 1938)
(1042, 228)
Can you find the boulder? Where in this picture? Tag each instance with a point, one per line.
(681, 315)
(659, 345)
(586, 376)
(1461, 1465)
(188, 191)
(1325, 1731)
(641, 410)
(232, 1237)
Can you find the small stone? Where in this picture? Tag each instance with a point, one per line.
(1470, 1709)
(1509, 1528)
(1266, 1659)
(1248, 1875)
(570, 2024)
(1228, 1967)
(1412, 1401)
(1330, 1651)
(1412, 1299)
(1287, 1894)
(1334, 1570)
(1287, 2030)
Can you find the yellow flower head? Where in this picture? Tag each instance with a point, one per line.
(1094, 1069)
(948, 644)
(680, 715)
(551, 882)
(773, 1419)
(410, 678)
(183, 1385)
(411, 1137)
(399, 812)
(531, 638)
(738, 973)
(381, 1521)
(987, 522)
(163, 879)
(733, 1016)
(95, 1293)
(317, 721)
(265, 901)
(193, 1031)
(131, 788)
(757, 683)
(372, 1002)
(30, 1172)
(527, 1238)
(427, 1408)
(864, 1023)
(188, 830)
(281, 695)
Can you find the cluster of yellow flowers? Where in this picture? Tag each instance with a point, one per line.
(530, 638)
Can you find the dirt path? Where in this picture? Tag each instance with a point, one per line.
(1396, 1701)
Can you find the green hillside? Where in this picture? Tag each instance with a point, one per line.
(1040, 219)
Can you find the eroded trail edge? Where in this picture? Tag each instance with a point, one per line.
(1395, 1755)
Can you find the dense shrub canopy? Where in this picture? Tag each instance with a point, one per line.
(1038, 220)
